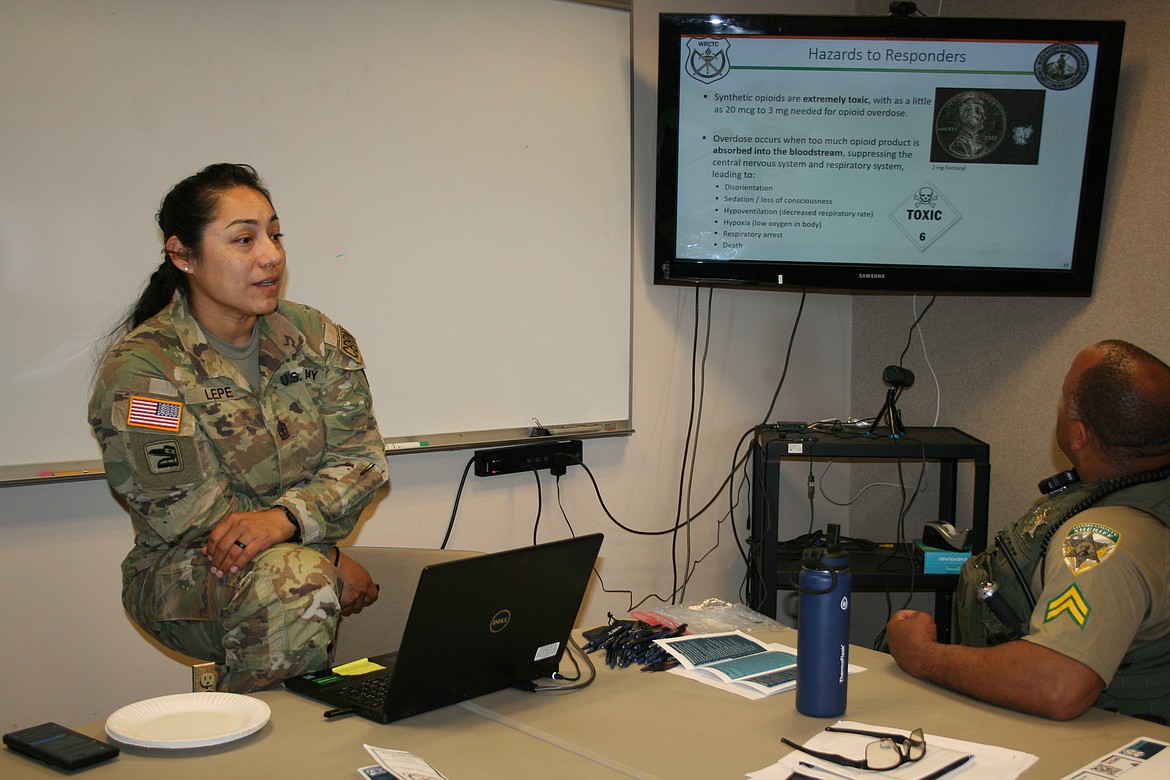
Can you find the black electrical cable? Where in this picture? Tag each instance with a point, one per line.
(539, 505)
(913, 325)
(455, 508)
(578, 682)
(694, 423)
(787, 356)
(896, 393)
(691, 445)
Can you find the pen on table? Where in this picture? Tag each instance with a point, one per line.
(799, 776)
(953, 765)
(661, 666)
(82, 472)
(941, 772)
(337, 713)
(606, 639)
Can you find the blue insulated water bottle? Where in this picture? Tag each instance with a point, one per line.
(822, 644)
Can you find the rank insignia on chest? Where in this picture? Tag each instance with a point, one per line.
(155, 414)
(1039, 517)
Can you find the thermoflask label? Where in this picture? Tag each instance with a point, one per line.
(844, 602)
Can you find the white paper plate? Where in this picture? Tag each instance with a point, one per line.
(186, 720)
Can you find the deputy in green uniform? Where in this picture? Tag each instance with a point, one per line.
(239, 430)
(1070, 608)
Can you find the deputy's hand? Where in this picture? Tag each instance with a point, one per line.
(241, 536)
(358, 589)
(911, 635)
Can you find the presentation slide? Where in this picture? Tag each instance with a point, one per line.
(916, 152)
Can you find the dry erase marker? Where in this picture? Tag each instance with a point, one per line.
(408, 445)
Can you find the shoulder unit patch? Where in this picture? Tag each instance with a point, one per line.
(348, 344)
(1088, 545)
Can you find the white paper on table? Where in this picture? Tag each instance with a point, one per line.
(1141, 759)
(402, 764)
(987, 761)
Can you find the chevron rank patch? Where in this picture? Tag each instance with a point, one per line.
(1071, 602)
(1088, 545)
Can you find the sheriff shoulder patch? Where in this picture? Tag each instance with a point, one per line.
(1072, 603)
(1088, 545)
(155, 414)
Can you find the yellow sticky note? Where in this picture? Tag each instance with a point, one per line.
(361, 666)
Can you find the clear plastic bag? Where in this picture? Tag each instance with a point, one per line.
(709, 616)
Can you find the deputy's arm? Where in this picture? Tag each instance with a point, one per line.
(1017, 674)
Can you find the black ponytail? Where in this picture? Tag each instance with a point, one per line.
(158, 293)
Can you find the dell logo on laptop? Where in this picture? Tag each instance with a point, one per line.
(500, 621)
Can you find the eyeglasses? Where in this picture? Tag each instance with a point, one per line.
(890, 751)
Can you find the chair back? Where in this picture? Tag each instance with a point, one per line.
(378, 628)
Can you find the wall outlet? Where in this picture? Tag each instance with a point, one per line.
(204, 677)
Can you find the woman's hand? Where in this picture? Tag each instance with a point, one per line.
(358, 589)
(241, 536)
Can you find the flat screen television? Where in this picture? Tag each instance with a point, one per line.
(883, 154)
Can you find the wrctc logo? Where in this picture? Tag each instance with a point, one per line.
(707, 58)
(925, 215)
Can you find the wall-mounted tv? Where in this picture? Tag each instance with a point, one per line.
(883, 154)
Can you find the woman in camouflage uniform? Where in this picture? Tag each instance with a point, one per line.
(238, 429)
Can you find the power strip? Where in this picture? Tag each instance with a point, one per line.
(554, 455)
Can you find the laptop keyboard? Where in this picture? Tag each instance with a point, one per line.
(369, 693)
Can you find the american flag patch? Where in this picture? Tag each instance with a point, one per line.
(155, 414)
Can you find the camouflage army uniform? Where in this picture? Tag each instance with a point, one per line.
(186, 442)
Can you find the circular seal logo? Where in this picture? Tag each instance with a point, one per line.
(970, 125)
(1061, 66)
(1088, 545)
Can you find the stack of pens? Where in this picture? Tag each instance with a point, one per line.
(631, 642)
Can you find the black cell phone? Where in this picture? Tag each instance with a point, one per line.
(58, 746)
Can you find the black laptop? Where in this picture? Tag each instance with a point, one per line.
(476, 625)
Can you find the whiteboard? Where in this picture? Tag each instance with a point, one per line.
(453, 179)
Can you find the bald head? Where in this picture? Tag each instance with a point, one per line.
(1120, 395)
